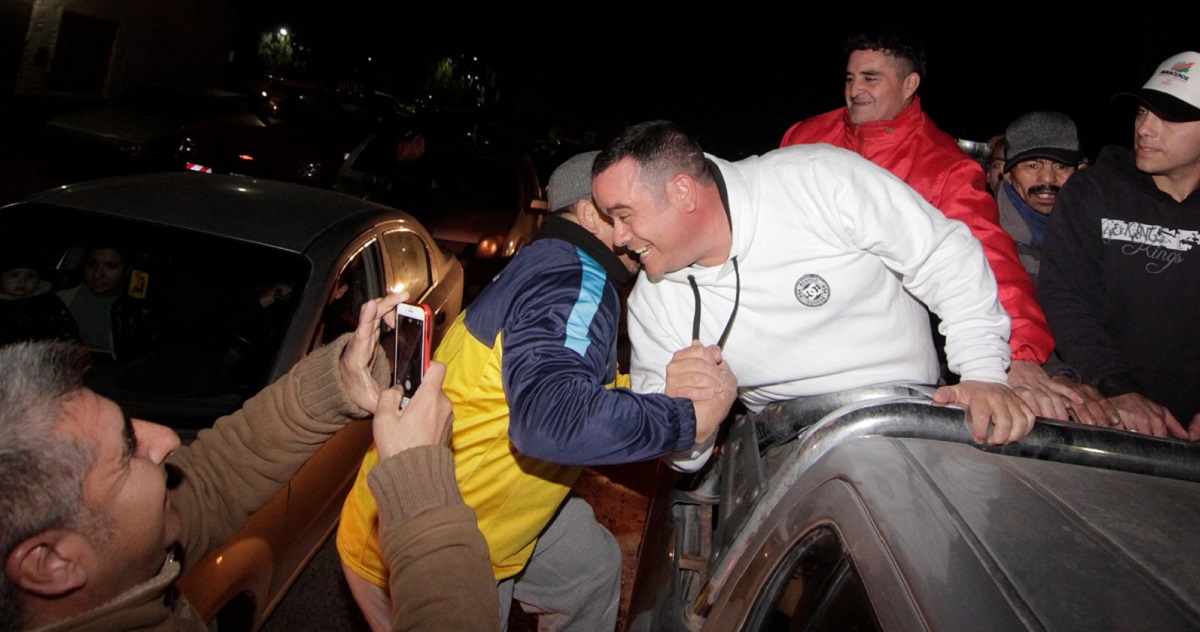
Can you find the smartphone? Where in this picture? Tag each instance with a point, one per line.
(413, 340)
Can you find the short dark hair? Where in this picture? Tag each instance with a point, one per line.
(43, 469)
(897, 42)
(999, 141)
(661, 149)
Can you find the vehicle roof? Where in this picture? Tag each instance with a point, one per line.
(1070, 546)
(232, 206)
(1073, 527)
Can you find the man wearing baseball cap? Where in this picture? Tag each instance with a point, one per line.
(1120, 272)
(531, 372)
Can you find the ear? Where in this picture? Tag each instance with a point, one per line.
(911, 83)
(588, 216)
(50, 564)
(681, 190)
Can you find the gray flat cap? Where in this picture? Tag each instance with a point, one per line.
(571, 181)
(1042, 135)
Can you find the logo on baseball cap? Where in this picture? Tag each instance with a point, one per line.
(1173, 92)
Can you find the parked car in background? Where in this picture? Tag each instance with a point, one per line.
(233, 280)
(297, 132)
(140, 131)
(874, 510)
(482, 202)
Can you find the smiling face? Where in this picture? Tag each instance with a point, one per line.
(645, 221)
(1167, 150)
(1038, 180)
(126, 489)
(605, 231)
(878, 86)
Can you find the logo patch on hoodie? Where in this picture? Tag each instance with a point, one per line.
(812, 290)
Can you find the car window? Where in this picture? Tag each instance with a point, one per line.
(408, 260)
(815, 587)
(186, 329)
(360, 280)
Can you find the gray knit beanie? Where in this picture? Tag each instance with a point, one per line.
(1042, 135)
(571, 181)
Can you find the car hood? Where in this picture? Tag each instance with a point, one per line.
(113, 125)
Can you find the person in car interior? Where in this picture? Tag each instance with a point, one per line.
(105, 271)
(29, 310)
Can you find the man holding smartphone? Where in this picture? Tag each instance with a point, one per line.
(102, 512)
(532, 375)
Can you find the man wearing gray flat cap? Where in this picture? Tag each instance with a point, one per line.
(1043, 151)
(1120, 274)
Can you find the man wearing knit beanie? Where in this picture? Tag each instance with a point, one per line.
(531, 372)
(1120, 270)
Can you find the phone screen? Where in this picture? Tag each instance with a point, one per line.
(411, 353)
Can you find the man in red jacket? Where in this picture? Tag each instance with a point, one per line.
(883, 122)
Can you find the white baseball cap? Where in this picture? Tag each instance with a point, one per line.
(1173, 92)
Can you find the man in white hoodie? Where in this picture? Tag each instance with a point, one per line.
(809, 266)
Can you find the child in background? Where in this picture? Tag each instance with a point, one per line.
(28, 309)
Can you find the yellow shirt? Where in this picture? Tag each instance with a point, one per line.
(514, 497)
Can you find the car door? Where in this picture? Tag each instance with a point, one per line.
(240, 583)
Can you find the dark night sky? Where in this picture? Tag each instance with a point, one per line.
(740, 79)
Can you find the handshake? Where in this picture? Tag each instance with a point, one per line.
(700, 374)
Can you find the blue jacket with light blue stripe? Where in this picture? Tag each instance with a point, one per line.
(558, 310)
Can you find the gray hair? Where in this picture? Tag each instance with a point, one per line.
(42, 469)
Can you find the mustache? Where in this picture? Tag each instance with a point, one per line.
(1044, 188)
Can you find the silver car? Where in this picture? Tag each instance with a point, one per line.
(873, 509)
